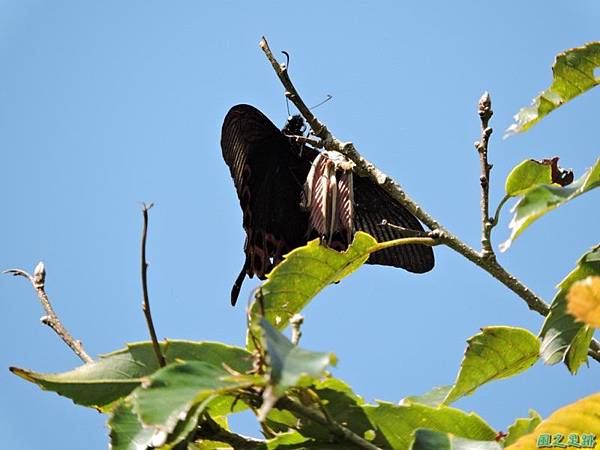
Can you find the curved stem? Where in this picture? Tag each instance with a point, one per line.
(498, 209)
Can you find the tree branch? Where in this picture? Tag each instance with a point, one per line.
(485, 114)
(146, 300)
(366, 168)
(51, 319)
(255, 400)
(335, 428)
(210, 430)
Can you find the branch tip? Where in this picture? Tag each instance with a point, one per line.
(485, 113)
(145, 297)
(485, 108)
(39, 274)
(50, 318)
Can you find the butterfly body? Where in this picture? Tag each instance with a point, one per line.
(270, 170)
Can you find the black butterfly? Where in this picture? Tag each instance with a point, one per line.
(270, 168)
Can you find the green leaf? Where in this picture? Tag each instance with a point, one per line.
(397, 423)
(562, 338)
(291, 365)
(281, 420)
(578, 350)
(343, 406)
(126, 430)
(285, 441)
(303, 274)
(521, 427)
(336, 386)
(573, 74)
(173, 391)
(116, 374)
(579, 418)
(526, 175)
(433, 440)
(434, 397)
(208, 445)
(542, 199)
(204, 444)
(291, 440)
(100, 383)
(218, 406)
(224, 405)
(295, 440)
(493, 354)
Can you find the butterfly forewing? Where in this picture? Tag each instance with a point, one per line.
(268, 172)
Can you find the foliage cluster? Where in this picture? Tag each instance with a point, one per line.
(300, 405)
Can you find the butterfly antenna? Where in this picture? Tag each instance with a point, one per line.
(287, 65)
(329, 97)
(287, 59)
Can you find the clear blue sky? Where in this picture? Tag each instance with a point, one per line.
(104, 105)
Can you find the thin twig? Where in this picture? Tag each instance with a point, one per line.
(51, 319)
(335, 428)
(485, 114)
(146, 300)
(388, 184)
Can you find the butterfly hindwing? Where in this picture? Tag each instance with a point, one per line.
(372, 206)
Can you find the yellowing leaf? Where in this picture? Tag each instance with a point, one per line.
(563, 338)
(581, 418)
(583, 301)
